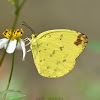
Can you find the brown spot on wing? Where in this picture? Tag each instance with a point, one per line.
(81, 38)
(80, 35)
(85, 39)
(79, 41)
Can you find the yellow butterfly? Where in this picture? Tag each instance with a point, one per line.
(55, 51)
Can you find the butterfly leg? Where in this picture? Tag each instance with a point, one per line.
(27, 39)
(29, 50)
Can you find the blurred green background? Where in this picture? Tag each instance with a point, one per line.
(83, 82)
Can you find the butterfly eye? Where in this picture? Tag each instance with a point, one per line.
(35, 36)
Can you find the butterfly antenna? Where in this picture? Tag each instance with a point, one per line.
(28, 26)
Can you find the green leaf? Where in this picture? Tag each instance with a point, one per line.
(16, 96)
(9, 91)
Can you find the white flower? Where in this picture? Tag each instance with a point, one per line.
(10, 43)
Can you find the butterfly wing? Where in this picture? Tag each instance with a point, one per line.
(55, 51)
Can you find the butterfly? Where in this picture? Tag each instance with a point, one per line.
(55, 51)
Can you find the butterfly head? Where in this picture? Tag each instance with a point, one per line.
(34, 36)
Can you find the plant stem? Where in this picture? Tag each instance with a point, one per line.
(10, 77)
(2, 58)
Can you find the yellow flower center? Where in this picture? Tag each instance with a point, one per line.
(13, 35)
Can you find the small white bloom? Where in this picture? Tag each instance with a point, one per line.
(15, 42)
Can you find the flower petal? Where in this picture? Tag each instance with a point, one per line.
(22, 43)
(3, 42)
(19, 46)
(11, 46)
